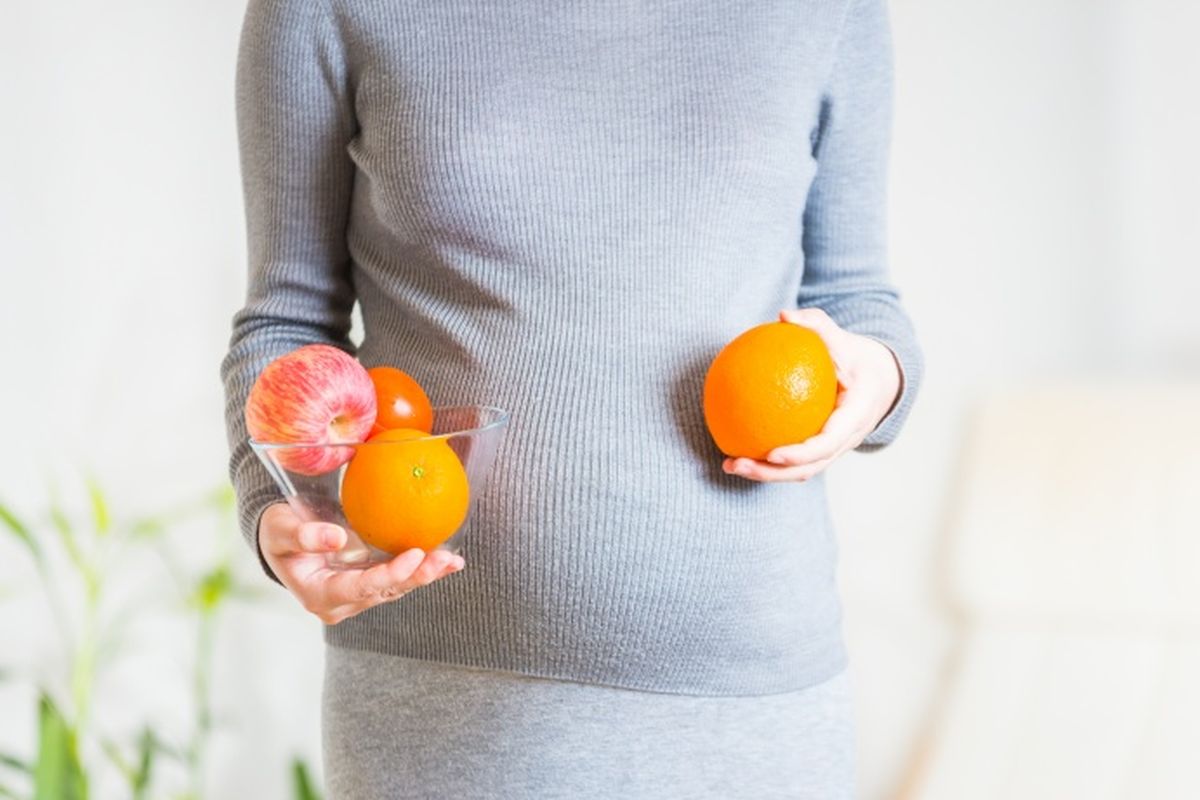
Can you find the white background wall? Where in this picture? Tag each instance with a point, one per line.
(1044, 224)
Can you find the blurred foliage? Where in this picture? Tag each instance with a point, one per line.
(75, 564)
(302, 788)
(58, 775)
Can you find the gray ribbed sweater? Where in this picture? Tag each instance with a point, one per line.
(566, 209)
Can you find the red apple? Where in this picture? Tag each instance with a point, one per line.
(318, 395)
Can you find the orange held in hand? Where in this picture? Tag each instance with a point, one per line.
(399, 494)
(774, 384)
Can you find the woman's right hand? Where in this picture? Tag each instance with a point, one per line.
(296, 551)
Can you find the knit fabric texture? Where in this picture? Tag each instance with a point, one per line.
(566, 210)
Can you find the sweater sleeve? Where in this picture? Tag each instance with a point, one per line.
(295, 119)
(845, 235)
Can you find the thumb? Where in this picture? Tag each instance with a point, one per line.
(320, 537)
(283, 533)
(813, 318)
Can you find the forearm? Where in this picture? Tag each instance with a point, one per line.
(845, 231)
(295, 118)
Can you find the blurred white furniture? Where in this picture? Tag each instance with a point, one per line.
(1073, 563)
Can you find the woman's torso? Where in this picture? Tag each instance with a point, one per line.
(566, 211)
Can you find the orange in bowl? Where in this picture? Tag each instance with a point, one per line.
(400, 400)
(403, 489)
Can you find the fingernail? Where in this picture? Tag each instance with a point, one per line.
(775, 458)
(329, 536)
(457, 564)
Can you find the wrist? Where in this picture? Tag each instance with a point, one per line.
(886, 365)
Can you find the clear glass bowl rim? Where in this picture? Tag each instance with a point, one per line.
(500, 420)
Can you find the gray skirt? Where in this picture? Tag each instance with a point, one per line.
(396, 727)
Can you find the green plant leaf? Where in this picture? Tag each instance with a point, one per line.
(58, 774)
(164, 748)
(147, 750)
(224, 498)
(100, 516)
(21, 531)
(213, 588)
(59, 518)
(12, 762)
(302, 785)
(113, 752)
(148, 528)
(66, 534)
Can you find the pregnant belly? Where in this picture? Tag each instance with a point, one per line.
(608, 545)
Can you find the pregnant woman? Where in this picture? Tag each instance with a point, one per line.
(566, 210)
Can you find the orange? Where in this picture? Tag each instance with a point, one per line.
(400, 401)
(774, 384)
(398, 494)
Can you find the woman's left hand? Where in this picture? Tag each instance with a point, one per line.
(868, 386)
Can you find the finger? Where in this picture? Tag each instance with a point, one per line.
(380, 590)
(371, 585)
(815, 319)
(284, 533)
(433, 567)
(454, 563)
(320, 537)
(278, 530)
(397, 577)
(436, 564)
(767, 473)
(836, 338)
(846, 421)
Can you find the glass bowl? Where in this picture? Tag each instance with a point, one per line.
(473, 432)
